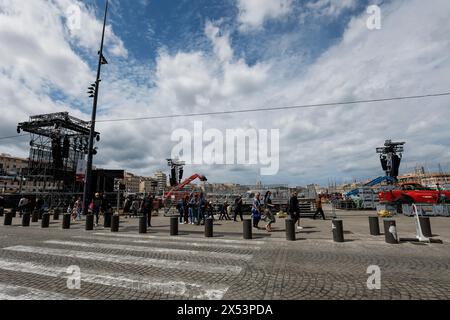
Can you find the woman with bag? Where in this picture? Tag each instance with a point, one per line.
(256, 210)
(269, 217)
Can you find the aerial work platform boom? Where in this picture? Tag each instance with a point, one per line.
(372, 183)
(185, 183)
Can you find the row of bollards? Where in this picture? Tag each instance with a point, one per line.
(390, 228)
(113, 222)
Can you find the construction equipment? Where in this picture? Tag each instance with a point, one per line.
(184, 184)
(374, 182)
(168, 202)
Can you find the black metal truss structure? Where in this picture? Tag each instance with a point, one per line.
(58, 141)
(176, 171)
(391, 157)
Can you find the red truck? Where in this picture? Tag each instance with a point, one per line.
(409, 193)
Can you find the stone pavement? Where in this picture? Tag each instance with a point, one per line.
(34, 262)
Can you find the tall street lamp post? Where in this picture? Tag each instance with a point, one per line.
(93, 91)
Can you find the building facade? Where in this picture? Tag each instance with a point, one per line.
(148, 185)
(132, 183)
(426, 179)
(161, 178)
(12, 166)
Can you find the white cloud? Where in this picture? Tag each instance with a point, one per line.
(38, 63)
(329, 7)
(195, 79)
(222, 47)
(253, 13)
(87, 36)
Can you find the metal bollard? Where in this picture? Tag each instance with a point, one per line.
(107, 220)
(35, 216)
(115, 223)
(338, 230)
(143, 224)
(26, 219)
(290, 230)
(66, 221)
(56, 213)
(209, 228)
(425, 225)
(248, 229)
(374, 226)
(2, 212)
(89, 222)
(174, 226)
(8, 219)
(390, 231)
(45, 222)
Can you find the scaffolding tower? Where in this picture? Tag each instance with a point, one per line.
(58, 142)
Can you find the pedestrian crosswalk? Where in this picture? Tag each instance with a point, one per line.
(147, 249)
(153, 264)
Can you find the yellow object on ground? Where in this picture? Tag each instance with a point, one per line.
(384, 214)
(282, 214)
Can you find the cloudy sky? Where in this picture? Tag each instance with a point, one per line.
(177, 57)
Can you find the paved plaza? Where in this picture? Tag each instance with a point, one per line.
(34, 262)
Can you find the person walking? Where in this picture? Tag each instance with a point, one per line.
(294, 209)
(146, 208)
(180, 208)
(268, 206)
(134, 209)
(210, 210)
(229, 211)
(256, 210)
(319, 209)
(23, 206)
(201, 209)
(186, 209)
(97, 207)
(40, 205)
(238, 204)
(127, 206)
(223, 211)
(78, 208)
(191, 207)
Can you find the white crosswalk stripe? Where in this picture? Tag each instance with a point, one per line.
(223, 243)
(183, 238)
(132, 260)
(187, 243)
(127, 281)
(11, 292)
(99, 245)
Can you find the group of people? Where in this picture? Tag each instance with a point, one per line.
(262, 209)
(134, 206)
(194, 209)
